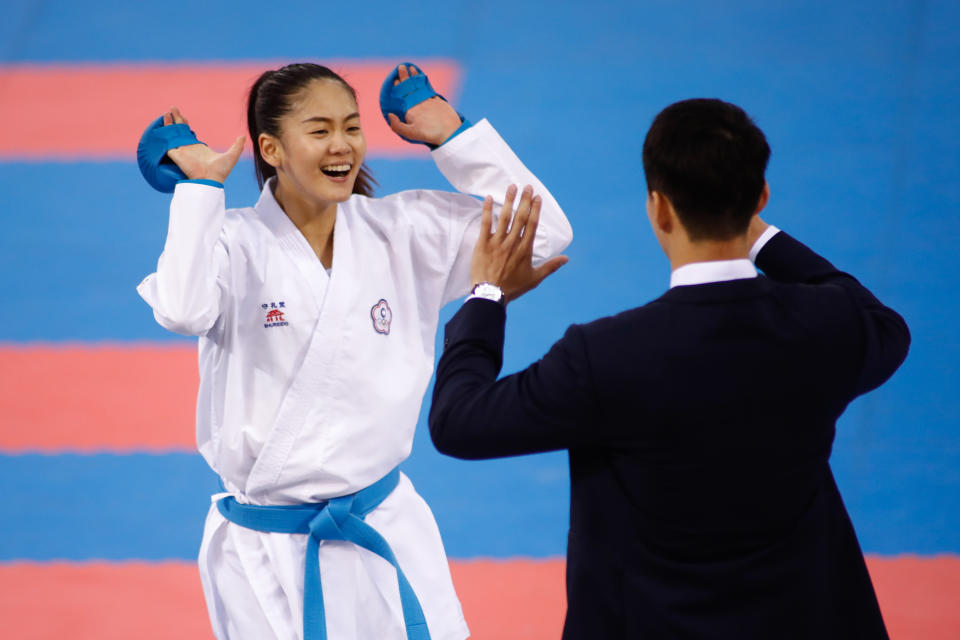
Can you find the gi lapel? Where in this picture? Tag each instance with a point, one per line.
(293, 243)
(317, 377)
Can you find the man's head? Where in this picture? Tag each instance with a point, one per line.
(707, 158)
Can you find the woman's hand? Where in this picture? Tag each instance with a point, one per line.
(505, 256)
(198, 161)
(432, 121)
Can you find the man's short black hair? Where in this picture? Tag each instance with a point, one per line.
(708, 158)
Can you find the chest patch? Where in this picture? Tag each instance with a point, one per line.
(274, 314)
(382, 316)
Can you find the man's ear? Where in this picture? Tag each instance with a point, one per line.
(764, 198)
(661, 212)
(270, 149)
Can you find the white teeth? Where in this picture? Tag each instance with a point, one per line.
(338, 167)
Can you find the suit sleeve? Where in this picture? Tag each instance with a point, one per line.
(542, 408)
(479, 162)
(886, 338)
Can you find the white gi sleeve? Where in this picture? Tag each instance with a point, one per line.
(479, 162)
(185, 291)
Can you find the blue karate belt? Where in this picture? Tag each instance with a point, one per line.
(335, 519)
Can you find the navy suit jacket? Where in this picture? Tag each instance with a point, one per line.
(699, 428)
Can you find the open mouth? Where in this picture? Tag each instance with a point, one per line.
(336, 170)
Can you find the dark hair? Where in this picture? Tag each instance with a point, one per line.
(708, 158)
(269, 100)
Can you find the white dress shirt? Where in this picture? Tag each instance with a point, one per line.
(721, 270)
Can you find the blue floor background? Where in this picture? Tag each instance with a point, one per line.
(860, 102)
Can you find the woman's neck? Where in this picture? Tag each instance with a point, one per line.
(316, 221)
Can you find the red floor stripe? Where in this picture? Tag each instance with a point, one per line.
(99, 601)
(99, 111)
(919, 595)
(97, 398)
(510, 599)
(516, 598)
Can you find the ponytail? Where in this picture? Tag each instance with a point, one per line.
(263, 169)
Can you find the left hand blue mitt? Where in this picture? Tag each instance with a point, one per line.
(158, 169)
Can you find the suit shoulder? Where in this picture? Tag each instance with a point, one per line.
(627, 320)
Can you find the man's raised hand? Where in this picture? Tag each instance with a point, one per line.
(504, 256)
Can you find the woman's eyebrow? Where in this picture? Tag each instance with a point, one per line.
(355, 114)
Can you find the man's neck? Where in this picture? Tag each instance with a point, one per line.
(685, 252)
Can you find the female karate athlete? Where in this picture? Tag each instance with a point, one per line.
(316, 311)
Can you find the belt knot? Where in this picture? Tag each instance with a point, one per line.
(339, 518)
(330, 521)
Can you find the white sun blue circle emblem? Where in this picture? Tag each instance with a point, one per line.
(382, 315)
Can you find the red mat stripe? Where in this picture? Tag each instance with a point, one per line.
(72, 112)
(521, 599)
(87, 398)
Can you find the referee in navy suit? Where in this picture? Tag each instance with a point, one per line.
(698, 425)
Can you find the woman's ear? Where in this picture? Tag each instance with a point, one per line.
(270, 149)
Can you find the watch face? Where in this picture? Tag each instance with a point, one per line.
(488, 291)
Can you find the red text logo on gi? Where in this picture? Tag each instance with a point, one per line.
(274, 316)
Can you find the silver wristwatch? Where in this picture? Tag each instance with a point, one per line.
(487, 291)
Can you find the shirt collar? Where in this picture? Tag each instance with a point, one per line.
(713, 271)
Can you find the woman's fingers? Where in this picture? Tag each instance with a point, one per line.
(177, 116)
(233, 153)
(400, 127)
(404, 72)
(222, 164)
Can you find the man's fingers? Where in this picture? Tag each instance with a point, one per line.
(530, 228)
(522, 214)
(486, 219)
(402, 74)
(531, 279)
(549, 267)
(506, 212)
(167, 118)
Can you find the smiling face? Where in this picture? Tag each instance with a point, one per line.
(320, 148)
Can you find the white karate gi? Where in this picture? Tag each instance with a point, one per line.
(311, 384)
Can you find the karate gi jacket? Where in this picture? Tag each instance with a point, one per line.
(699, 428)
(311, 383)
